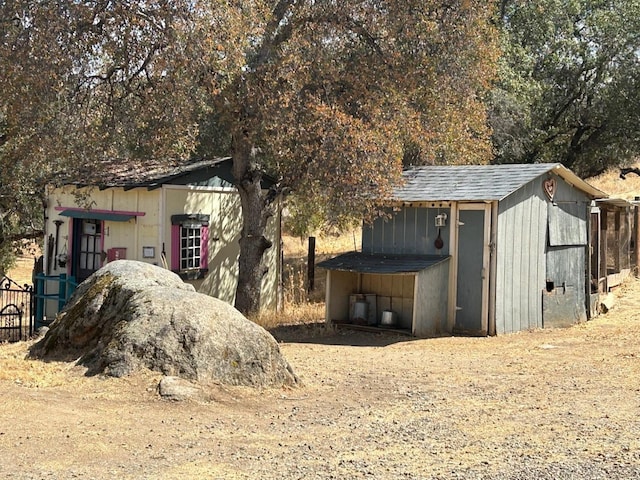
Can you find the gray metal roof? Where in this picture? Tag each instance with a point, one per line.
(478, 182)
(381, 263)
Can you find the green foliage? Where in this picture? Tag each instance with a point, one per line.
(568, 89)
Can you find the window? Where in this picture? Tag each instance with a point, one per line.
(189, 244)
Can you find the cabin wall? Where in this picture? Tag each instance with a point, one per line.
(131, 235)
(408, 230)
(225, 225)
(225, 211)
(153, 229)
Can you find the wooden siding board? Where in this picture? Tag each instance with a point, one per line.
(422, 230)
(520, 247)
(410, 230)
(405, 319)
(386, 244)
(431, 303)
(396, 287)
(378, 235)
(367, 237)
(567, 224)
(386, 285)
(538, 258)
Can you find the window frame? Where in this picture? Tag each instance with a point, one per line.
(188, 222)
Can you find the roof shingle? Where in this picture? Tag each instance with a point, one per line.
(476, 182)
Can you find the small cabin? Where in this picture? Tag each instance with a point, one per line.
(474, 250)
(186, 218)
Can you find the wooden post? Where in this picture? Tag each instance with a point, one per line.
(617, 250)
(311, 264)
(602, 279)
(40, 279)
(636, 236)
(62, 291)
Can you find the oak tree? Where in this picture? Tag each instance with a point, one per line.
(568, 89)
(329, 97)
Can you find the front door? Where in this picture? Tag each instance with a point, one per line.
(472, 310)
(87, 248)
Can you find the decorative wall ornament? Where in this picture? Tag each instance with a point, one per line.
(549, 187)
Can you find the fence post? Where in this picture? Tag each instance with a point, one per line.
(70, 287)
(62, 291)
(311, 263)
(39, 300)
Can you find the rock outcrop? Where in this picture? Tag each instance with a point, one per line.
(131, 315)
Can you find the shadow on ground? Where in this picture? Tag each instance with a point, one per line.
(322, 334)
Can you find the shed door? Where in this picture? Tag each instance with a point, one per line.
(474, 221)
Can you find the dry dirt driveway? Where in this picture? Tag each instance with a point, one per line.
(560, 404)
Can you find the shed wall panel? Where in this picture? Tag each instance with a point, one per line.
(341, 286)
(431, 303)
(393, 292)
(409, 230)
(521, 237)
(422, 231)
(524, 260)
(567, 264)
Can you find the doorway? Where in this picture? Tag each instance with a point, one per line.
(472, 293)
(86, 250)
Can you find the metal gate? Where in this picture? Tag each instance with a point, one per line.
(16, 311)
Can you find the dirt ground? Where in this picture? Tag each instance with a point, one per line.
(560, 404)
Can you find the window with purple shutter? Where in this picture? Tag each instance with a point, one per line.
(189, 245)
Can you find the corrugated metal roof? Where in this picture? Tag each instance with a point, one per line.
(478, 182)
(387, 264)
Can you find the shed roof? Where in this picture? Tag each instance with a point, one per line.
(381, 263)
(479, 182)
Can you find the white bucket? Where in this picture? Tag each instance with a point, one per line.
(388, 319)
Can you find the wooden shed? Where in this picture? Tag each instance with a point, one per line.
(476, 249)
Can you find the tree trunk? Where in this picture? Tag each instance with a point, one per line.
(255, 213)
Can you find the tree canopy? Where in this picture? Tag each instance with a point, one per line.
(330, 97)
(568, 86)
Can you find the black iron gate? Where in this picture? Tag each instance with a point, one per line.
(16, 311)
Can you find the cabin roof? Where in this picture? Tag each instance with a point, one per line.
(479, 182)
(150, 174)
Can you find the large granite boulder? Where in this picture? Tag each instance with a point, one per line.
(131, 315)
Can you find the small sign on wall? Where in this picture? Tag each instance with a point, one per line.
(119, 253)
(148, 252)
